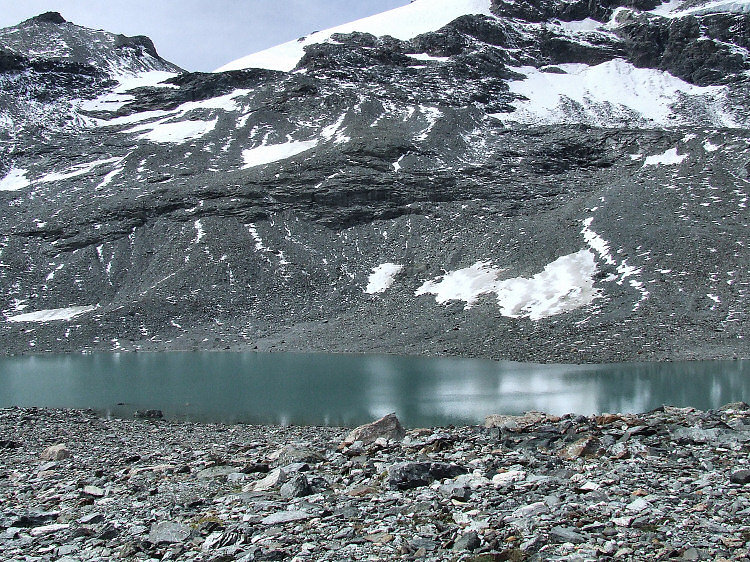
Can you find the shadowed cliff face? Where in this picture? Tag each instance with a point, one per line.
(549, 184)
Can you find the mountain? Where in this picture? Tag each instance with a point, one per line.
(545, 181)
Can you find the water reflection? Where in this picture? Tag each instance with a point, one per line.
(351, 389)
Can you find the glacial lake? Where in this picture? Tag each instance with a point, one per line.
(327, 389)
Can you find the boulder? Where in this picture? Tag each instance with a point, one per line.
(168, 532)
(296, 487)
(56, 453)
(387, 427)
(468, 541)
(274, 478)
(407, 475)
(585, 447)
(741, 476)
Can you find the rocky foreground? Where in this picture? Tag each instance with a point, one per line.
(668, 484)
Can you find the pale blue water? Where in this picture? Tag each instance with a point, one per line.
(331, 389)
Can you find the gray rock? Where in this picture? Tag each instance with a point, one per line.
(282, 517)
(56, 453)
(455, 491)
(585, 447)
(293, 454)
(517, 423)
(420, 542)
(468, 541)
(741, 476)
(406, 475)
(691, 554)
(566, 534)
(94, 491)
(296, 487)
(168, 532)
(91, 519)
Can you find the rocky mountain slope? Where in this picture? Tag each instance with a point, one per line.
(548, 181)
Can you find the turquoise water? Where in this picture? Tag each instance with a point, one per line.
(329, 389)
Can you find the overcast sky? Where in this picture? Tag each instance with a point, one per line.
(203, 34)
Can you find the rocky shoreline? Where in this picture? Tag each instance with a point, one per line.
(667, 484)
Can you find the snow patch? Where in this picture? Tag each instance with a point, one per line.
(265, 154)
(564, 285)
(51, 314)
(601, 247)
(14, 180)
(708, 146)
(114, 100)
(382, 277)
(334, 132)
(670, 157)
(608, 94)
(432, 114)
(406, 22)
(426, 57)
(579, 26)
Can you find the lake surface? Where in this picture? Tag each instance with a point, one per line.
(326, 389)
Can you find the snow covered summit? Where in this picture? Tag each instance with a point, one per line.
(406, 22)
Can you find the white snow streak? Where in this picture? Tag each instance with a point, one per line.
(596, 242)
(426, 57)
(75, 171)
(334, 132)
(177, 132)
(382, 277)
(199, 232)
(51, 314)
(108, 178)
(273, 153)
(601, 247)
(258, 240)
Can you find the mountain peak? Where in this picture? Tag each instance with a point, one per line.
(47, 17)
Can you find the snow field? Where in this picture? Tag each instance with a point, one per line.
(609, 93)
(564, 285)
